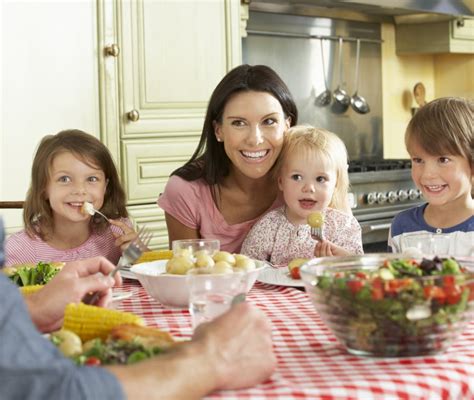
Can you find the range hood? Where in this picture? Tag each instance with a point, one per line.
(402, 11)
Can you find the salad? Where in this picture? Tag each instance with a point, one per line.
(125, 344)
(39, 274)
(398, 308)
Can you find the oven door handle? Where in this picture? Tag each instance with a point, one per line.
(375, 227)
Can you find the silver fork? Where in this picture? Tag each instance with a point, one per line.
(317, 233)
(132, 253)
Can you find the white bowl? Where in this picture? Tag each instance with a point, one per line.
(172, 290)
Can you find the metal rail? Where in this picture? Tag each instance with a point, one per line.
(308, 36)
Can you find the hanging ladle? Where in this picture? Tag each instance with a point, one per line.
(358, 103)
(341, 98)
(325, 97)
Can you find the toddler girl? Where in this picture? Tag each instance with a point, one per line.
(312, 174)
(440, 141)
(70, 168)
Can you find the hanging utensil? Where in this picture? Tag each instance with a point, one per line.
(419, 92)
(358, 103)
(324, 98)
(341, 98)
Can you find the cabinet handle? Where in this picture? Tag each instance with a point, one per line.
(133, 115)
(112, 50)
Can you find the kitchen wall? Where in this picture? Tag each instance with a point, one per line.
(442, 75)
(49, 83)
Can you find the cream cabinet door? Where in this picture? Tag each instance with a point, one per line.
(161, 61)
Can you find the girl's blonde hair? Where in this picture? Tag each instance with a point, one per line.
(317, 142)
(37, 212)
(444, 126)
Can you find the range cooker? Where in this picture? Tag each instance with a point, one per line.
(380, 189)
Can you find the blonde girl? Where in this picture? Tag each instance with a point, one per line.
(70, 168)
(312, 176)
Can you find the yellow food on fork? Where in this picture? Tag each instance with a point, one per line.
(90, 322)
(316, 219)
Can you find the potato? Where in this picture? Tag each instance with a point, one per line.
(244, 263)
(297, 262)
(316, 219)
(69, 343)
(204, 261)
(179, 265)
(224, 256)
(201, 253)
(183, 253)
(222, 267)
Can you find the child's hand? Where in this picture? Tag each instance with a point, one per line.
(325, 248)
(128, 235)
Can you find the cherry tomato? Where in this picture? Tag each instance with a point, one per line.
(295, 273)
(355, 286)
(453, 294)
(92, 361)
(377, 289)
(435, 292)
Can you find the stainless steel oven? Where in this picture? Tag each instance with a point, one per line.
(380, 189)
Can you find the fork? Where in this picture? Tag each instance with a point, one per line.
(316, 223)
(88, 208)
(132, 253)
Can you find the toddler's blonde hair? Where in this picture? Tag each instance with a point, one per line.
(309, 141)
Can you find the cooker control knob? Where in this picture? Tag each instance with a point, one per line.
(392, 196)
(381, 198)
(420, 195)
(402, 195)
(371, 198)
(413, 194)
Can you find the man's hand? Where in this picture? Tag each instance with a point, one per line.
(70, 285)
(238, 345)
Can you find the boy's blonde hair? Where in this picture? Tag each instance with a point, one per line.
(37, 212)
(444, 126)
(307, 141)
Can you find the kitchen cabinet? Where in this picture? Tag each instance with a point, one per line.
(454, 36)
(161, 62)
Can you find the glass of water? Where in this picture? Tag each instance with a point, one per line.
(425, 243)
(212, 295)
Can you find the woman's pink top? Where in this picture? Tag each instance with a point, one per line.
(21, 248)
(191, 203)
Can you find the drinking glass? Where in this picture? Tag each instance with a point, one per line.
(191, 246)
(426, 243)
(212, 295)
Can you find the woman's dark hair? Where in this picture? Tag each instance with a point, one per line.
(37, 213)
(210, 160)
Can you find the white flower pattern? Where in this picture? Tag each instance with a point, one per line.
(273, 238)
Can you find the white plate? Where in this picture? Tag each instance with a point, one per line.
(128, 274)
(278, 276)
(119, 296)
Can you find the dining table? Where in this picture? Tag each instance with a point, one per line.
(312, 364)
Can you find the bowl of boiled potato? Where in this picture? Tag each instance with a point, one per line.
(166, 280)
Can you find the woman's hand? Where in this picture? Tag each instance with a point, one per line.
(325, 248)
(128, 235)
(70, 285)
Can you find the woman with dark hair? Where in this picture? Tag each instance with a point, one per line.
(227, 184)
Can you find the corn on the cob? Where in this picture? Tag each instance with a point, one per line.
(90, 322)
(30, 289)
(154, 255)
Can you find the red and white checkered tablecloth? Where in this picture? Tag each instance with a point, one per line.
(313, 365)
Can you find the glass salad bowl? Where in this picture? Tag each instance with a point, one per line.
(387, 305)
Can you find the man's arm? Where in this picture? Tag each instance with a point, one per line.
(234, 351)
